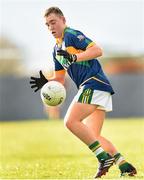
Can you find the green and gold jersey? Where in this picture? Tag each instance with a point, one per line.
(86, 73)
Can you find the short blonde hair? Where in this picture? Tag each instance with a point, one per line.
(54, 10)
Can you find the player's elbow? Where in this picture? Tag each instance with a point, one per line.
(96, 51)
(99, 52)
(61, 80)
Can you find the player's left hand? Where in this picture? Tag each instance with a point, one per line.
(70, 57)
(38, 82)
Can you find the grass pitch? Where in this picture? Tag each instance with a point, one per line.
(46, 150)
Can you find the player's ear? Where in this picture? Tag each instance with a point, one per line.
(64, 19)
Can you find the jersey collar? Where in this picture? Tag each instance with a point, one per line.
(60, 40)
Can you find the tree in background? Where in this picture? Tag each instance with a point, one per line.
(10, 58)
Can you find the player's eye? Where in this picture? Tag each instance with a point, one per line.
(53, 22)
(47, 24)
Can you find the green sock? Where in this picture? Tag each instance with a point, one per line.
(98, 151)
(123, 166)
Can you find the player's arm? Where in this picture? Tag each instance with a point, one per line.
(90, 53)
(90, 50)
(59, 76)
(59, 73)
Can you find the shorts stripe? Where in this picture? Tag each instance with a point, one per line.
(86, 96)
(90, 97)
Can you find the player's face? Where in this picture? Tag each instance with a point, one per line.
(56, 24)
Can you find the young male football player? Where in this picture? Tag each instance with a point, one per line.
(76, 54)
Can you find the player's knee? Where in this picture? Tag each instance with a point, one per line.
(68, 123)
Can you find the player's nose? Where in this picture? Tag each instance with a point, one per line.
(51, 28)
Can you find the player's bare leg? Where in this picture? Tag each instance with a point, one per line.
(95, 123)
(73, 121)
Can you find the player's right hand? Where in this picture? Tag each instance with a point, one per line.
(38, 82)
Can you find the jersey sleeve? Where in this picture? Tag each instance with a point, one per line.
(81, 41)
(57, 65)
